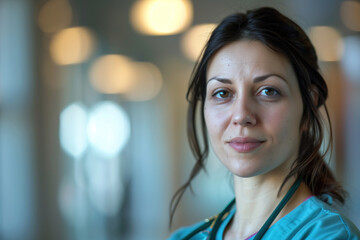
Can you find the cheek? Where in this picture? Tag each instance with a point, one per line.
(283, 124)
(211, 126)
(215, 120)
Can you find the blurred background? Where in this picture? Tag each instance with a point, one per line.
(92, 112)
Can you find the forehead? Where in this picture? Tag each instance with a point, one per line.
(246, 57)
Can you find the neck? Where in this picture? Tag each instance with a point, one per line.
(256, 199)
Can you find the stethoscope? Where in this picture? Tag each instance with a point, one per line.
(216, 221)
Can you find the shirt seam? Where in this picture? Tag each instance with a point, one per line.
(344, 224)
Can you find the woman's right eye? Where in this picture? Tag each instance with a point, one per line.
(222, 94)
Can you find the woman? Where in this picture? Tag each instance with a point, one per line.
(259, 90)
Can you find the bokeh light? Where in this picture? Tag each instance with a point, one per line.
(112, 74)
(148, 82)
(327, 42)
(108, 128)
(55, 15)
(161, 17)
(72, 45)
(73, 128)
(194, 40)
(350, 14)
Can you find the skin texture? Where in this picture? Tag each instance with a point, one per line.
(253, 110)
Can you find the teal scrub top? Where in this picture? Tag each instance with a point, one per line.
(313, 219)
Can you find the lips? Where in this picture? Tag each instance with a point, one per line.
(245, 145)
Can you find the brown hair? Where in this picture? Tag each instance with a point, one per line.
(282, 35)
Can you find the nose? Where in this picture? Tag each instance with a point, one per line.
(244, 112)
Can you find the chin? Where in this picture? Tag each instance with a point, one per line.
(245, 174)
(244, 171)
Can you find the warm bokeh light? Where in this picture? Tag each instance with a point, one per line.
(148, 82)
(327, 42)
(73, 122)
(194, 40)
(161, 17)
(54, 16)
(108, 128)
(112, 74)
(350, 14)
(72, 45)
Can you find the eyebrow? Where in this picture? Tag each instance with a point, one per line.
(256, 80)
(264, 77)
(223, 80)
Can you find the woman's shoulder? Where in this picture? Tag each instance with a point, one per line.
(317, 219)
(201, 230)
(323, 209)
(183, 232)
(330, 222)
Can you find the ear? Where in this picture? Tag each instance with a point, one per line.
(314, 95)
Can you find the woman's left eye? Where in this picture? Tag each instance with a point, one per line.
(269, 92)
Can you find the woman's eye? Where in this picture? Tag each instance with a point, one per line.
(269, 92)
(222, 94)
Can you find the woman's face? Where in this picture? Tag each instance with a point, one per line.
(253, 109)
